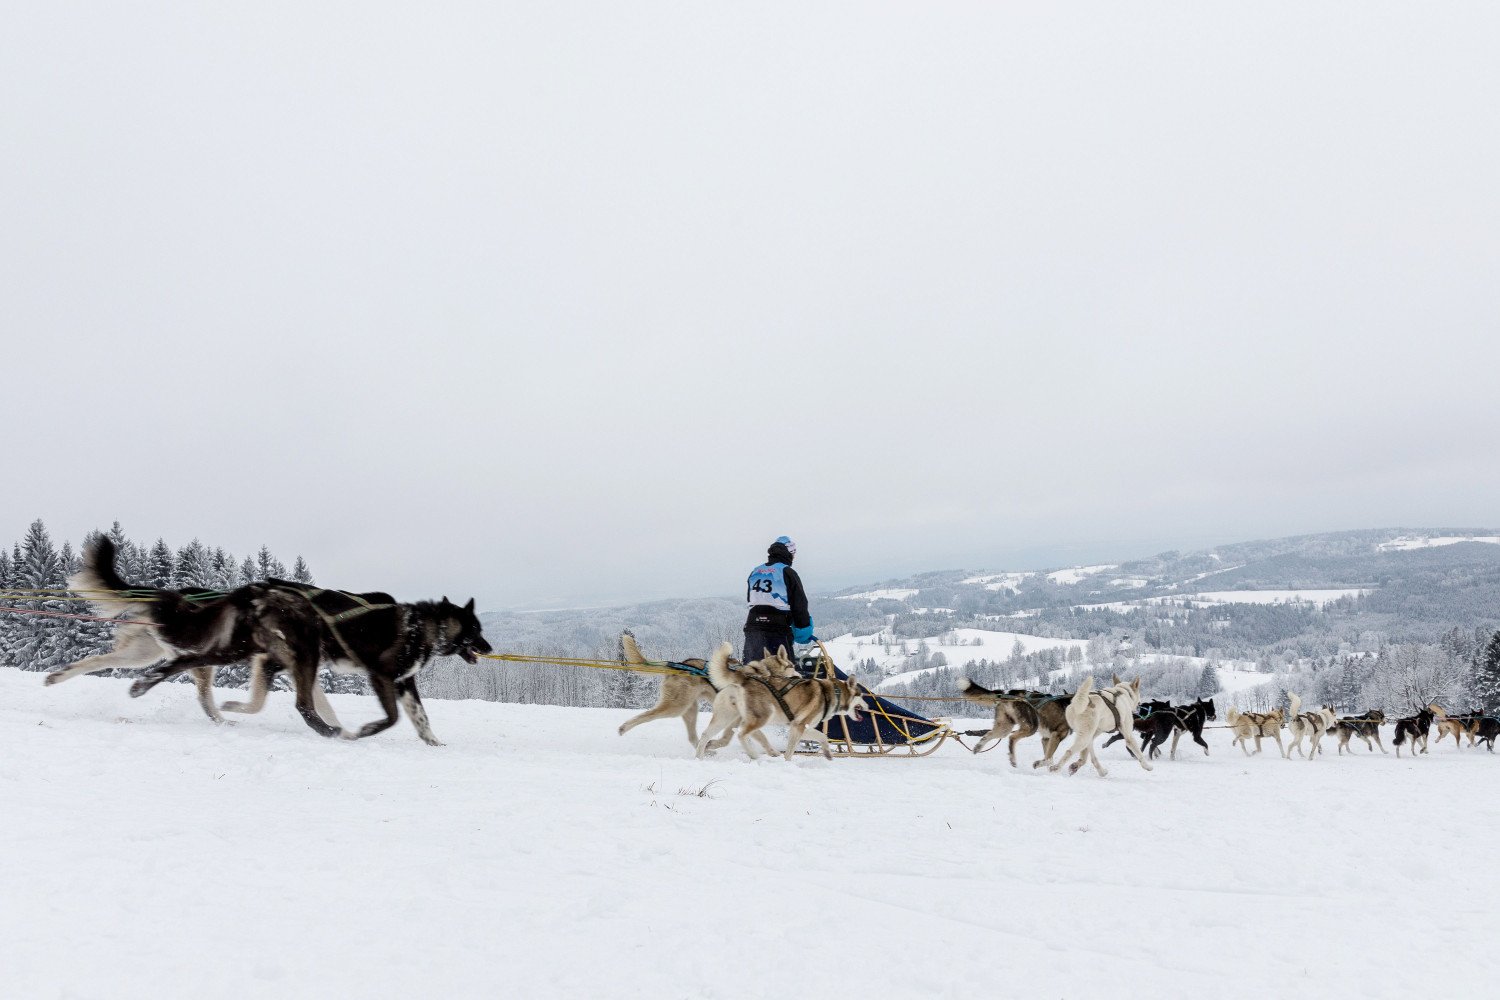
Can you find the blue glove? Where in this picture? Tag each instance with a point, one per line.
(804, 635)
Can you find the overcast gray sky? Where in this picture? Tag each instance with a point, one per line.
(559, 302)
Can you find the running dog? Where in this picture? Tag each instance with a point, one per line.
(1309, 724)
(681, 692)
(1192, 718)
(388, 642)
(1091, 713)
(1414, 728)
(1018, 714)
(1365, 726)
(1259, 725)
(196, 634)
(1152, 719)
(1456, 726)
(800, 703)
(1487, 729)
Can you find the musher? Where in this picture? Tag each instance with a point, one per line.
(778, 605)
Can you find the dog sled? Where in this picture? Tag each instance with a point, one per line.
(887, 730)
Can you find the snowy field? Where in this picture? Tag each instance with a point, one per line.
(149, 853)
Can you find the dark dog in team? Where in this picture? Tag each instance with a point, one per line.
(385, 640)
(195, 631)
(1414, 729)
(1366, 726)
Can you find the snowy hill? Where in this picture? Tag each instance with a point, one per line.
(147, 853)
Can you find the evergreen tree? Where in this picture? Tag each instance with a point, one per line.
(32, 641)
(1208, 681)
(220, 570)
(300, 572)
(1484, 678)
(247, 572)
(161, 567)
(191, 570)
(5, 570)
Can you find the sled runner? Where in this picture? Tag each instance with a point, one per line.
(887, 729)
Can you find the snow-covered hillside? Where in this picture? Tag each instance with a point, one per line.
(145, 852)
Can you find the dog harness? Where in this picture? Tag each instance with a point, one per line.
(1112, 710)
(780, 695)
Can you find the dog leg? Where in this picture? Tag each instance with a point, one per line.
(304, 678)
(1081, 742)
(134, 647)
(1198, 739)
(723, 719)
(323, 705)
(203, 680)
(1050, 743)
(794, 736)
(1099, 765)
(172, 668)
(746, 734)
(665, 711)
(415, 711)
(1135, 751)
(260, 683)
(386, 696)
(1284, 752)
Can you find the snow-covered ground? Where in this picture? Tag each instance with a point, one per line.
(889, 594)
(1076, 574)
(972, 644)
(149, 853)
(1407, 543)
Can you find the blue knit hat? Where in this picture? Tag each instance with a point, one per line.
(791, 546)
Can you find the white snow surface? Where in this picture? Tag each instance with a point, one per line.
(1275, 596)
(1072, 575)
(149, 853)
(889, 594)
(1407, 543)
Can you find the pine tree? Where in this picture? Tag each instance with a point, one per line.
(191, 570)
(265, 564)
(221, 570)
(5, 570)
(160, 566)
(1208, 681)
(33, 641)
(1484, 678)
(300, 572)
(247, 572)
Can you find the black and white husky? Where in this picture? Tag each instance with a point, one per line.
(196, 631)
(370, 634)
(277, 626)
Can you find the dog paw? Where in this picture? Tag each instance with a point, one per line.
(139, 688)
(233, 706)
(56, 677)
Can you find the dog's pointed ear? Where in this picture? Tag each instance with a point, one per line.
(1114, 678)
(1136, 684)
(445, 602)
(781, 653)
(470, 606)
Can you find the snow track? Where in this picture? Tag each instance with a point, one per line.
(149, 853)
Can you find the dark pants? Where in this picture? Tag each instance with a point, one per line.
(763, 642)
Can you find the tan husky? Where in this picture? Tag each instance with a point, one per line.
(1310, 724)
(681, 692)
(1455, 726)
(753, 702)
(1092, 713)
(1258, 725)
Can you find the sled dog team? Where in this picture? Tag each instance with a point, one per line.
(278, 626)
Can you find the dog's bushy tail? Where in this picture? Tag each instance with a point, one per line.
(631, 650)
(99, 581)
(1296, 701)
(718, 668)
(1081, 696)
(974, 692)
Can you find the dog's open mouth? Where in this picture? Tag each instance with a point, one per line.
(467, 654)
